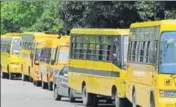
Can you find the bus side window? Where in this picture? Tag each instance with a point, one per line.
(116, 59)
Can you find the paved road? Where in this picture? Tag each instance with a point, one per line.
(16, 93)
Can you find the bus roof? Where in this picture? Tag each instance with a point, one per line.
(153, 23)
(50, 43)
(11, 35)
(41, 34)
(64, 40)
(97, 31)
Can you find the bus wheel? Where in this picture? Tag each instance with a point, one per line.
(134, 99)
(119, 102)
(50, 86)
(44, 86)
(2, 75)
(70, 95)
(56, 95)
(10, 76)
(34, 82)
(38, 83)
(152, 101)
(30, 79)
(88, 98)
(23, 77)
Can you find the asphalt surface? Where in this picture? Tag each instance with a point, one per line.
(16, 93)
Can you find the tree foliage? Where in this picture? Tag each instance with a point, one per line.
(31, 16)
(57, 16)
(115, 14)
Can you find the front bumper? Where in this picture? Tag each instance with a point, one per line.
(15, 68)
(166, 102)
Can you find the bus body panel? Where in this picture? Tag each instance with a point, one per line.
(30, 39)
(10, 61)
(46, 74)
(147, 78)
(99, 76)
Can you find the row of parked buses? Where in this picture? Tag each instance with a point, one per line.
(33, 56)
(128, 67)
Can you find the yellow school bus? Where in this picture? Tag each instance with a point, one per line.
(47, 61)
(27, 51)
(35, 72)
(151, 77)
(62, 55)
(97, 64)
(59, 57)
(10, 63)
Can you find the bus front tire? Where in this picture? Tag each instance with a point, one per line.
(57, 97)
(89, 99)
(34, 82)
(44, 85)
(50, 86)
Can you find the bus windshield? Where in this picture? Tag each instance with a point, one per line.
(46, 55)
(63, 54)
(16, 46)
(168, 53)
(37, 53)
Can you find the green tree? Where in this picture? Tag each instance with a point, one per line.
(99, 14)
(31, 16)
(17, 16)
(115, 14)
(49, 19)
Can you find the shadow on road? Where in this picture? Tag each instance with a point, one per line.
(80, 104)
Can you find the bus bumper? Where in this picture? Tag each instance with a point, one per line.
(37, 76)
(15, 68)
(166, 102)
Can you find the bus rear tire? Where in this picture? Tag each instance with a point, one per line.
(134, 100)
(44, 85)
(23, 77)
(38, 83)
(152, 101)
(10, 76)
(2, 75)
(89, 99)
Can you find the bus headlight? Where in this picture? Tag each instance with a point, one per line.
(168, 94)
